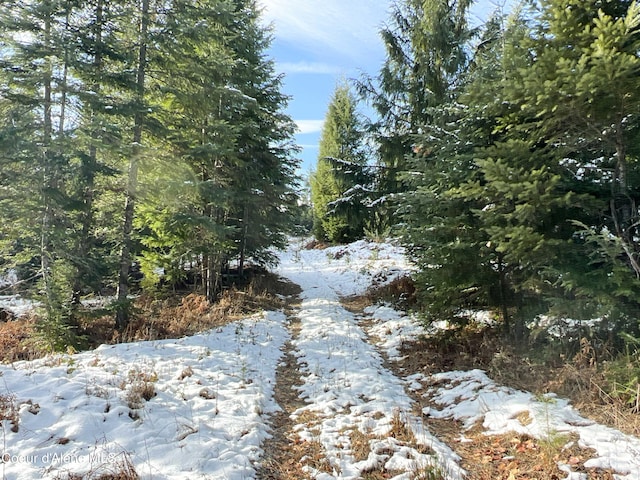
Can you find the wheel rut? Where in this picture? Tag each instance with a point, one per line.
(283, 452)
(343, 413)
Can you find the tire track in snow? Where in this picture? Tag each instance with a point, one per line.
(346, 385)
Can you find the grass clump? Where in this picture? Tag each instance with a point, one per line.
(9, 411)
(140, 388)
(120, 469)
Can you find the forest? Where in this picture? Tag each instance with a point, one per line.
(140, 143)
(506, 162)
(454, 293)
(145, 145)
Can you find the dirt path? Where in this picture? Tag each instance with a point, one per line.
(359, 401)
(345, 415)
(282, 460)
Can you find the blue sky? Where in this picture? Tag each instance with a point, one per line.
(319, 42)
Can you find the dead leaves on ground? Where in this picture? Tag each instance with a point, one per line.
(513, 456)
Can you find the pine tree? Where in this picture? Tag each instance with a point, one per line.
(264, 200)
(143, 20)
(581, 95)
(340, 187)
(97, 57)
(85, 124)
(599, 85)
(222, 108)
(34, 65)
(192, 92)
(425, 44)
(431, 153)
(533, 196)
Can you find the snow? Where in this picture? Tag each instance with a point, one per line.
(17, 305)
(351, 269)
(345, 382)
(472, 397)
(393, 328)
(8, 280)
(212, 394)
(564, 327)
(20, 306)
(207, 420)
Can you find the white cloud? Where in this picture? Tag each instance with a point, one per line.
(309, 67)
(309, 126)
(345, 27)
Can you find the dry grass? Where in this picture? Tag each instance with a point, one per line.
(361, 447)
(401, 292)
(316, 245)
(285, 453)
(401, 432)
(520, 457)
(166, 318)
(15, 344)
(580, 379)
(511, 456)
(360, 444)
(157, 318)
(583, 385)
(9, 410)
(140, 388)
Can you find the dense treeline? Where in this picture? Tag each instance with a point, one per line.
(138, 133)
(507, 158)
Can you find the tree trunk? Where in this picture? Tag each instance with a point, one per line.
(213, 277)
(243, 240)
(48, 183)
(503, 288)
(624, 212)
(122, 313)
(85, 241)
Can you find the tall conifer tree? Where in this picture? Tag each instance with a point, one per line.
(222, 107)
(423, 150)
(340, 185)
(35, 64)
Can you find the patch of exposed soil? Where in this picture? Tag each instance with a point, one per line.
(284, 451)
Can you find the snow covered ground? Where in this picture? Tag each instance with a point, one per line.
(198, 407)
(472, 396)
(16, 305)
(209, 396)
(345, 382)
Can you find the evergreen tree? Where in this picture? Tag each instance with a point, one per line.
(264, 200)
(108, 101)
(34, 65)
(143, 18)
(425, 44)
(528, 197)
(97, 55)
(340, 187)
(426, 150)
(186, 227)
(222, 107)
(581, 98)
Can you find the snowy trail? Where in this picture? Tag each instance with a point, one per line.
(212, 395)
(347, 386)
